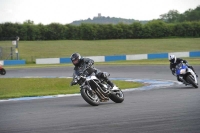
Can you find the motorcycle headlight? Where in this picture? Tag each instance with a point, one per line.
(81, 79)
(182, 71)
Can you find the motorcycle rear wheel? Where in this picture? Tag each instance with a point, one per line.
(90, 98)
(117, 96)
(190, 79)
(2, 71)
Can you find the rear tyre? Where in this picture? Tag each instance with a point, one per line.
(191, 80)
(90, 97)
(117, 96)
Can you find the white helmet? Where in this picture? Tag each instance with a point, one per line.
(172, 59)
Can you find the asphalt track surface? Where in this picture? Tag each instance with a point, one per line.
(173, 109)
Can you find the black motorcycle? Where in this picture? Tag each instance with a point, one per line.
(94, 90)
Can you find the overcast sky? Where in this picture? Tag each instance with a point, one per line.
(67, 11)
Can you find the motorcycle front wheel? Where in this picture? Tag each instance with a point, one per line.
(117, 96)
(190, 79)
(2, 71)
(90, 97)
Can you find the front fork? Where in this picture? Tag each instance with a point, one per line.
(87, 87)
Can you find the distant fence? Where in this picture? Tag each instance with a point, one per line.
(120, 57)
(7, 53)
(105, 58)
(12, 62)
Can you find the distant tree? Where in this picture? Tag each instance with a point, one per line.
(108, 31)
(156, 29)
(179, 30)
(73, 32)
(9, 30)
(171, 16)
(127, 32)
(87, 31)
(101, 31)
(55, 31)
(187, 29)
(136, 29)
(0, 30)
(196, 29)
(174, 16)
(28, 22)
(192, 15)
(42, 29)
(146, 31)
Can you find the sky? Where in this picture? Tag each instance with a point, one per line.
(67, 11)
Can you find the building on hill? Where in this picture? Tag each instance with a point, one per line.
(99, 15)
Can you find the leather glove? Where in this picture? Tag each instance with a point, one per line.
(72, 83)
(173, 72)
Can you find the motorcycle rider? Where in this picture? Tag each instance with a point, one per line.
(174, 61)
(80, 63)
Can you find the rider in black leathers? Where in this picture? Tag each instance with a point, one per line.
(175, 61)
(81, 63)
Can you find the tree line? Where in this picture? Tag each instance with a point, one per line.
(136, 30)
(171, 24)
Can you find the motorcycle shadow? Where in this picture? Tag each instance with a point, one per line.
(85, 105)
(184, 87)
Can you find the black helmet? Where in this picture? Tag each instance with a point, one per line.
(75, 58)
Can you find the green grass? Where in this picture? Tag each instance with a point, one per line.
(30, 50)
(29, 87)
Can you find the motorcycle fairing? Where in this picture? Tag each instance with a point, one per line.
(181, 69)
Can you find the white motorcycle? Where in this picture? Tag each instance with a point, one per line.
(186, 74)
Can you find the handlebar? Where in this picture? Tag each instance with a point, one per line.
(74, 82)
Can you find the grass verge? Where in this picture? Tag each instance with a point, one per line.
(30, 87)
(31, 50)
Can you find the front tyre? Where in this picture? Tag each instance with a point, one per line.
(90, 97)
(2, 71)
(117, 96)
(191, 80)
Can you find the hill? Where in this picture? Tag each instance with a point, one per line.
(106, 20)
